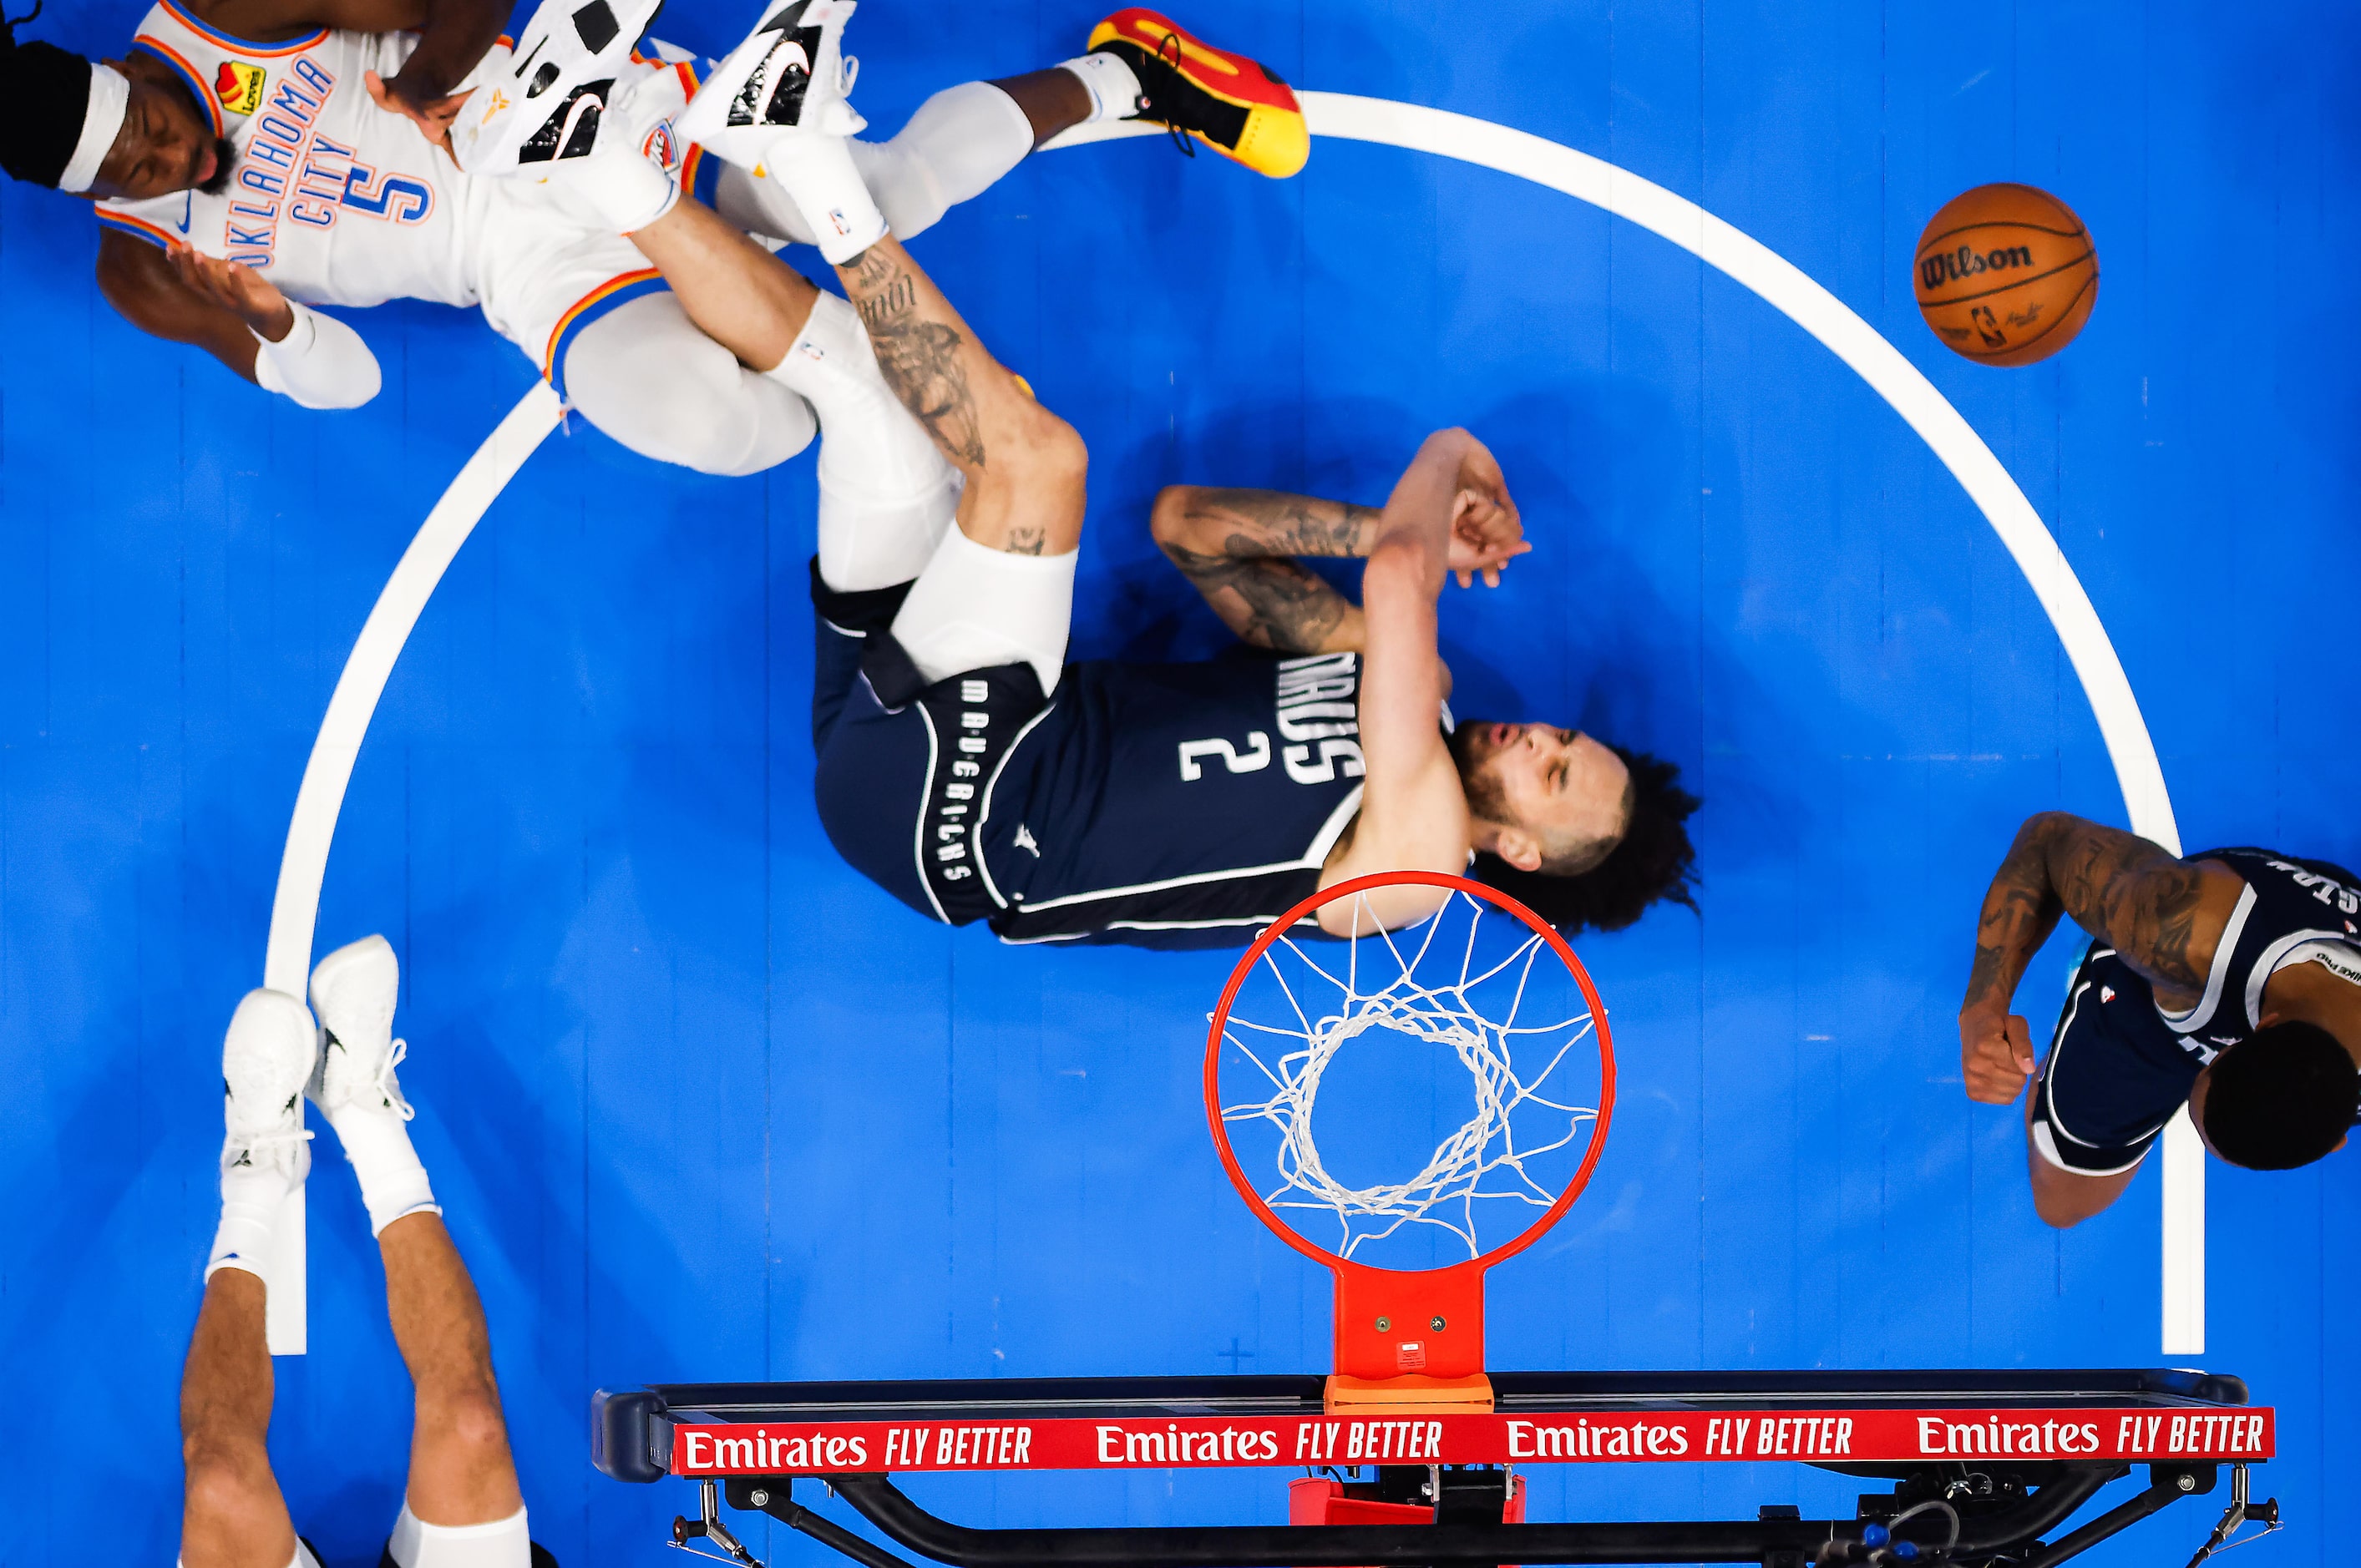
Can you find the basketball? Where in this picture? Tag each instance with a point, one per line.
(2005, 275)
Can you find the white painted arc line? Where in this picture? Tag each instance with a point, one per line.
(303, 864)
(1954, 442)
(2183, 1174)
(1787, 288)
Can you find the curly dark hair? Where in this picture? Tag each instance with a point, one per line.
(1655, 861)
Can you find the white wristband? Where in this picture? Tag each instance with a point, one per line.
(320, 363)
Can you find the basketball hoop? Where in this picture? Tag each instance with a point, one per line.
(1483, 991)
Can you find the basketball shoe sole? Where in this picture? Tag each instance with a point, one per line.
(546, 102)
(790, 74)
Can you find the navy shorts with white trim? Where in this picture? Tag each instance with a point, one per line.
(2115, 1073)
(902, 765)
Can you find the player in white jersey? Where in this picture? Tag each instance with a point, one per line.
(254, 160)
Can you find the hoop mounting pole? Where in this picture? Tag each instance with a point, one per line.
(1411, 1338)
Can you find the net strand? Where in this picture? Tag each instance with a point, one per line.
(1484, 1160)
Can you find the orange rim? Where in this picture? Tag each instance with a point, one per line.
(1476, 889)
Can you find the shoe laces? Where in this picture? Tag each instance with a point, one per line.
(386, 1085)
(1168, 80)
(269, 1146)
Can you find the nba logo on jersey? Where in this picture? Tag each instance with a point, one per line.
(662, 147)
(239, 86)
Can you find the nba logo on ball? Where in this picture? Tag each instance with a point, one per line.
(2006, 275)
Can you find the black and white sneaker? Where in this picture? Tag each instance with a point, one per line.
(546, 102)
(791, 73)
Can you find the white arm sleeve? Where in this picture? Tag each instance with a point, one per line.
(320, 363)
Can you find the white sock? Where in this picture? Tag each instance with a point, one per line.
(886, 493)
(817, 171)
(250, 1200)
(1114, 86)
(393, 1182)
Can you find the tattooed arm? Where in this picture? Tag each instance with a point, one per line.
(1241, 549)
(2161, 915)
(1238, 547)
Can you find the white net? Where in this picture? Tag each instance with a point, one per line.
(1472, 983)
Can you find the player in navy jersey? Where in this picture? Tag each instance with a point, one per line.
(957, 771)
(962, 764)
(2228, 980)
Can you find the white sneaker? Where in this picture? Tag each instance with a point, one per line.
(548, 100)
(268, 1057)
(791, 73)
(353, 990)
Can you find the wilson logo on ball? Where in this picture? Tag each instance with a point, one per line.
(1951, 267)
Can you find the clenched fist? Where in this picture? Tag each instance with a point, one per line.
(1996, 1055)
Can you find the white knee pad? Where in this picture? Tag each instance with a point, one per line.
(975, 607)
(503, 1543)
(645, 375)
(886, 494)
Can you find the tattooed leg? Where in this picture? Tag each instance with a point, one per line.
(1024, 466)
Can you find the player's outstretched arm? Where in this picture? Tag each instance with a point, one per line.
(2162, 914)
(236, 315)
(1414, 812)
(147, 289)
(1239, 548)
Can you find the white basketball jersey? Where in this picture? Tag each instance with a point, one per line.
(335, 200)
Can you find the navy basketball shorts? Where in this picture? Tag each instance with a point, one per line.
(906, 766)
(2115, 1073)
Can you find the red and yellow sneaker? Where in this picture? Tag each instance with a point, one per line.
(1238, 106)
